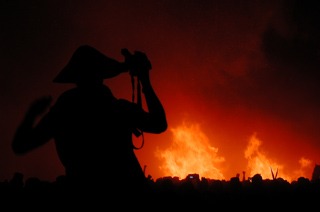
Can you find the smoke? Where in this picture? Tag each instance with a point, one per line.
(277, 72)
(291, 46)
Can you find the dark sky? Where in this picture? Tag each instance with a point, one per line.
(234, 67)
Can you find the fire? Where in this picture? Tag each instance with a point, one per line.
(190, 152)
(305, 162)
(259, 163)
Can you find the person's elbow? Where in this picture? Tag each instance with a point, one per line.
(18, 150)
(164, 126)
(154, 124)
(161, 126)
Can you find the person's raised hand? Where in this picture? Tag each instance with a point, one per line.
(39, 106)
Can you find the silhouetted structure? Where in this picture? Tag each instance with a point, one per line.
(92, 129)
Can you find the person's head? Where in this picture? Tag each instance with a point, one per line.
(89, 82)
(88, 67)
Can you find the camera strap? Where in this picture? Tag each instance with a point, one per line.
(137, 132)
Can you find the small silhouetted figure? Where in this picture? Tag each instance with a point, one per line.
(17, 181)
(92, 129)
(257, 181)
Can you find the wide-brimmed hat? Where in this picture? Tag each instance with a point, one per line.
(88, 63)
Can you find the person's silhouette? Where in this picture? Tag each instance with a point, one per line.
(92, 129)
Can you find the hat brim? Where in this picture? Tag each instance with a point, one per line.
(88, 63)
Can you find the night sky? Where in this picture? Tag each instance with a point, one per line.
(234, 67)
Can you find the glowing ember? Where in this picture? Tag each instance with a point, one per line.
(190, 152)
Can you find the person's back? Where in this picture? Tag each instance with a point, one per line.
(93, 133)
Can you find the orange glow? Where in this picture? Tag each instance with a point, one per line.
(305, 162)
(260, 163)
(190, 152)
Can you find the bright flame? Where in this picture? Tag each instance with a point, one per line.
(259, 163)
(305, 162)
(190, 152)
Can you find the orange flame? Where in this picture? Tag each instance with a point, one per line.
(190, 152)
(304, 162)
(259, 163)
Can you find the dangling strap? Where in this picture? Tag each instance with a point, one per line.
(139, 101)
(136, 132)
(133, 87)
(134, 147)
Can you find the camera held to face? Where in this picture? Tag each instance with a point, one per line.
(136, 63)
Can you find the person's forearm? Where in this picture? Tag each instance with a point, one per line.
(23, 133)
(27, 137)
(155, 107)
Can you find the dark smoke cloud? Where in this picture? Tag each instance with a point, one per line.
(287, 82)
(291, 46)
(294, 49)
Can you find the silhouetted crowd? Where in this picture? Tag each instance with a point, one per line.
(254, 193)
(168, 192)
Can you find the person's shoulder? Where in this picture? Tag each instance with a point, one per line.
(129, 109)
(68, 93)
(67, 96)
(127, 105)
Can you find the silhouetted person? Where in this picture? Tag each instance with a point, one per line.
(92, 129)
(17, 181)
(257, 181)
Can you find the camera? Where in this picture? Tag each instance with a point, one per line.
(136, 62)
